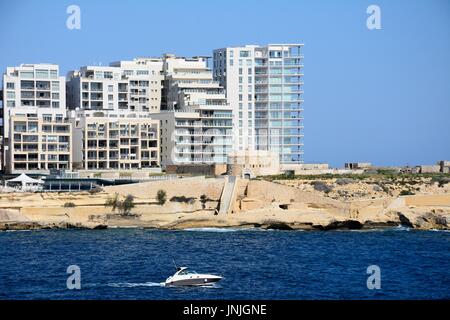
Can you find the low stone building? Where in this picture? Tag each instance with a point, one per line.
(357, 165)
(428, 169)
(250, 164)
(444, 166)
(197, 169)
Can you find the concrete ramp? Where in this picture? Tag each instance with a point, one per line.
(228, 195)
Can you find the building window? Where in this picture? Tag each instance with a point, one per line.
(55, 104)
(10, 95)
(27, 74)
(53, 74)
(55, 86)
(10, 85)
(240, 71)
(10, 103)
(244, 54)
(240, 97)
(110, 88)
(55, 96)
(42, 74)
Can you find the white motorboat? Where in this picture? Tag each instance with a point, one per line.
(184, 277)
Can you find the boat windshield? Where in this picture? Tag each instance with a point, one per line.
(185, 272)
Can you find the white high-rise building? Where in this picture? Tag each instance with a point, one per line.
(196, 120)
(145, 83)
(123, 86)
(113, 112)
(108, 140)
(264, 85)
(36, 131)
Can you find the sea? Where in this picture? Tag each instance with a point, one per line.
(133, 263)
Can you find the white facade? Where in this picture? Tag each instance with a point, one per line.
(115, 140)
(196, 124)
(133, 86)
(264, 85)
(145, 83)
(37, 136)
(112, 117)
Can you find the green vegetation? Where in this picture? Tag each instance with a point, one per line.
(379, 175)
(406, 193)
(113, 202)
(127, 204)
(183, 199)
(441, 181)
(123, 206)
(321, 186)
(161, 197)
(203, 200)
(95, 190)
(69, 205)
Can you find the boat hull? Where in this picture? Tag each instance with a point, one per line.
(193, 281)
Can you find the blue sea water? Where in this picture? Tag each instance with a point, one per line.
(256, 264)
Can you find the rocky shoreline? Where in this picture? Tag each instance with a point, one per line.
(290, 205)
(428, 221)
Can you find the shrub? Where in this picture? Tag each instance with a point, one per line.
(440, 180)
(321, 186)
(124, 206)
(184, 199)
(289, 174)
(406, 193)
(113, 202)
(161, 197)
(203, 200)
(69, 205)
(95, 190)
(127, 204)
(344, 181)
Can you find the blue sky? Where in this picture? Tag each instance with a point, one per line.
(370, 95)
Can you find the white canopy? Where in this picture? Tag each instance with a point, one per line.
(25, 180)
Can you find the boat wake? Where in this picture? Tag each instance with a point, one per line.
(156, 284)
(134, 285)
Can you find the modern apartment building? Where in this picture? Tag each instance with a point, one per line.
(36, 132)
(196, 122)
(112, 115)
(144, 82)
(115, 140)
(134, 86)
(264, 85)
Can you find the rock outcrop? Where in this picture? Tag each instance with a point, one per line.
(264, 204)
